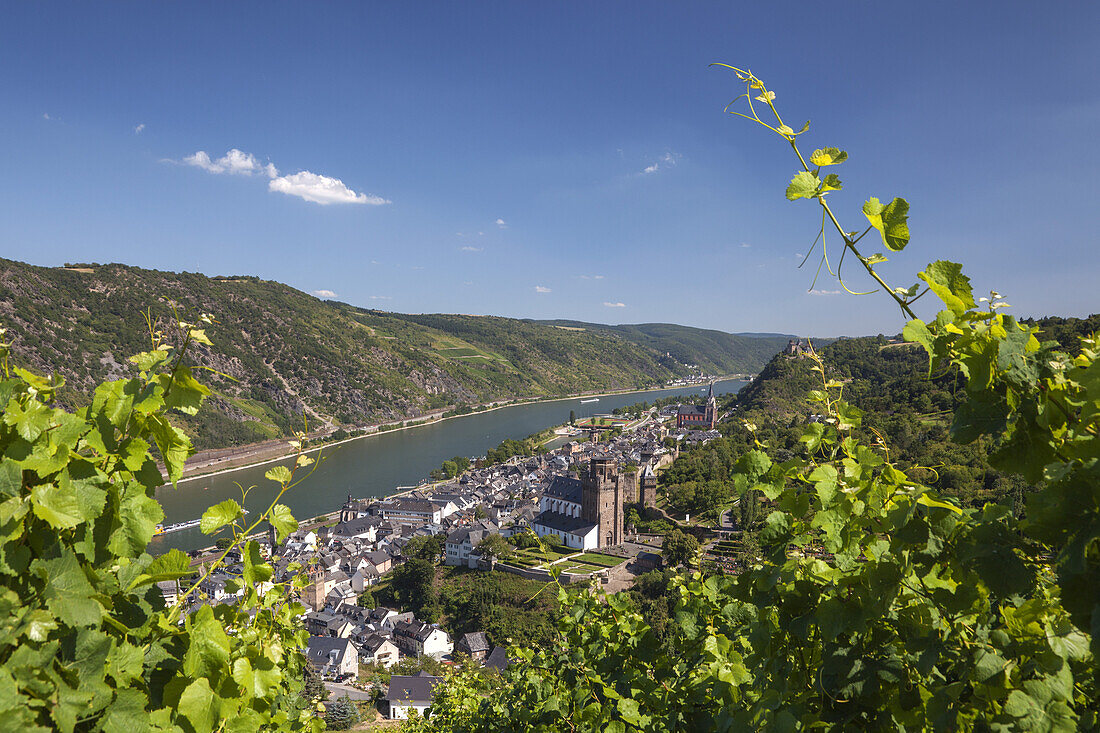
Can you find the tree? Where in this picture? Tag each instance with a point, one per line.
(572, 417)
(413, 584)
(366, 600)
(314, 687)
(679, 548)
(342, 714)
(746, 508)
(428, 548)
(494, 546)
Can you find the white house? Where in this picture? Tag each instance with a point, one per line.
(333, 656)
(377, 649)
(410, 693)
(422, 640)
(461, 543)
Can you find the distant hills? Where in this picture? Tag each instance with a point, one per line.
(715, 352)
(289, 355)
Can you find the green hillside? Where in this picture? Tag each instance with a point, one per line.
(716, 352)
(281, 355)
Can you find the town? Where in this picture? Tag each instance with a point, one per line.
(572, 498)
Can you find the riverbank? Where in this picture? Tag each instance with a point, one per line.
(210, 463)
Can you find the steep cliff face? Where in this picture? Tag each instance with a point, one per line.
(281, 356)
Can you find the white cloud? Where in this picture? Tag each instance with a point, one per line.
(597, 277)
(46, 115)
(139, 128)
(591, 277)
(746, 245)
(322, 190)
(824, 292)
(235, 162)
(669, 159)
(468, 248)
(303, 184)
(614, 305)
(380, 297)
(541, 289)
(500, 223)
(324, 293)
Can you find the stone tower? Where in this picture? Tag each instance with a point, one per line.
(711, 415)
(602, 499)
(648, 489)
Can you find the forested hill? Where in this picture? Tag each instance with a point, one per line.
(716, 352)
(290, 355)
(889, 381)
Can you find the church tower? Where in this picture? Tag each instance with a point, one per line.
(602, 500)
(711, 416)
(648, 489)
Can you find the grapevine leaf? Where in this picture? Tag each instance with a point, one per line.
(147, 361)
(947, 281)
(802, 186)
(828, 156)
(138, 515)
(278, 474)
(220, 515)
(69, 594)
(283, 521)
(187, 393)
(28, 421)
(39, 624)
(874, 259)
(53, 504)
(169, 566)
(197, 705)
(209, 648)
(126, 713)
(918, 332)
(173, 443)
(831, 183)
(11, 478)
(891, 221)
(628, 709)
(928, 501)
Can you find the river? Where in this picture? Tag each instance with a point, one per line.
(376, 465)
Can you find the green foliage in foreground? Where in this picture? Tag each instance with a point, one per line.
(86, 642)
(877, 603)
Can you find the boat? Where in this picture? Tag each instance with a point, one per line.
(163, 529)
(594, 399)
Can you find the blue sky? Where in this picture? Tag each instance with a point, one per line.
(553, 160)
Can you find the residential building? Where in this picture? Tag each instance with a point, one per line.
(407, 693)
(332, 656)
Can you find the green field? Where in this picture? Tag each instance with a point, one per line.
(599, 559)
(583, 567)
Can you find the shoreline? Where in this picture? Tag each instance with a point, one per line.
(423, 421)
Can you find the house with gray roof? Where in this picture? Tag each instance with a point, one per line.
(332, 656)
(407, 693)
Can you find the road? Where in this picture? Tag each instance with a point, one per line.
(338, 690)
